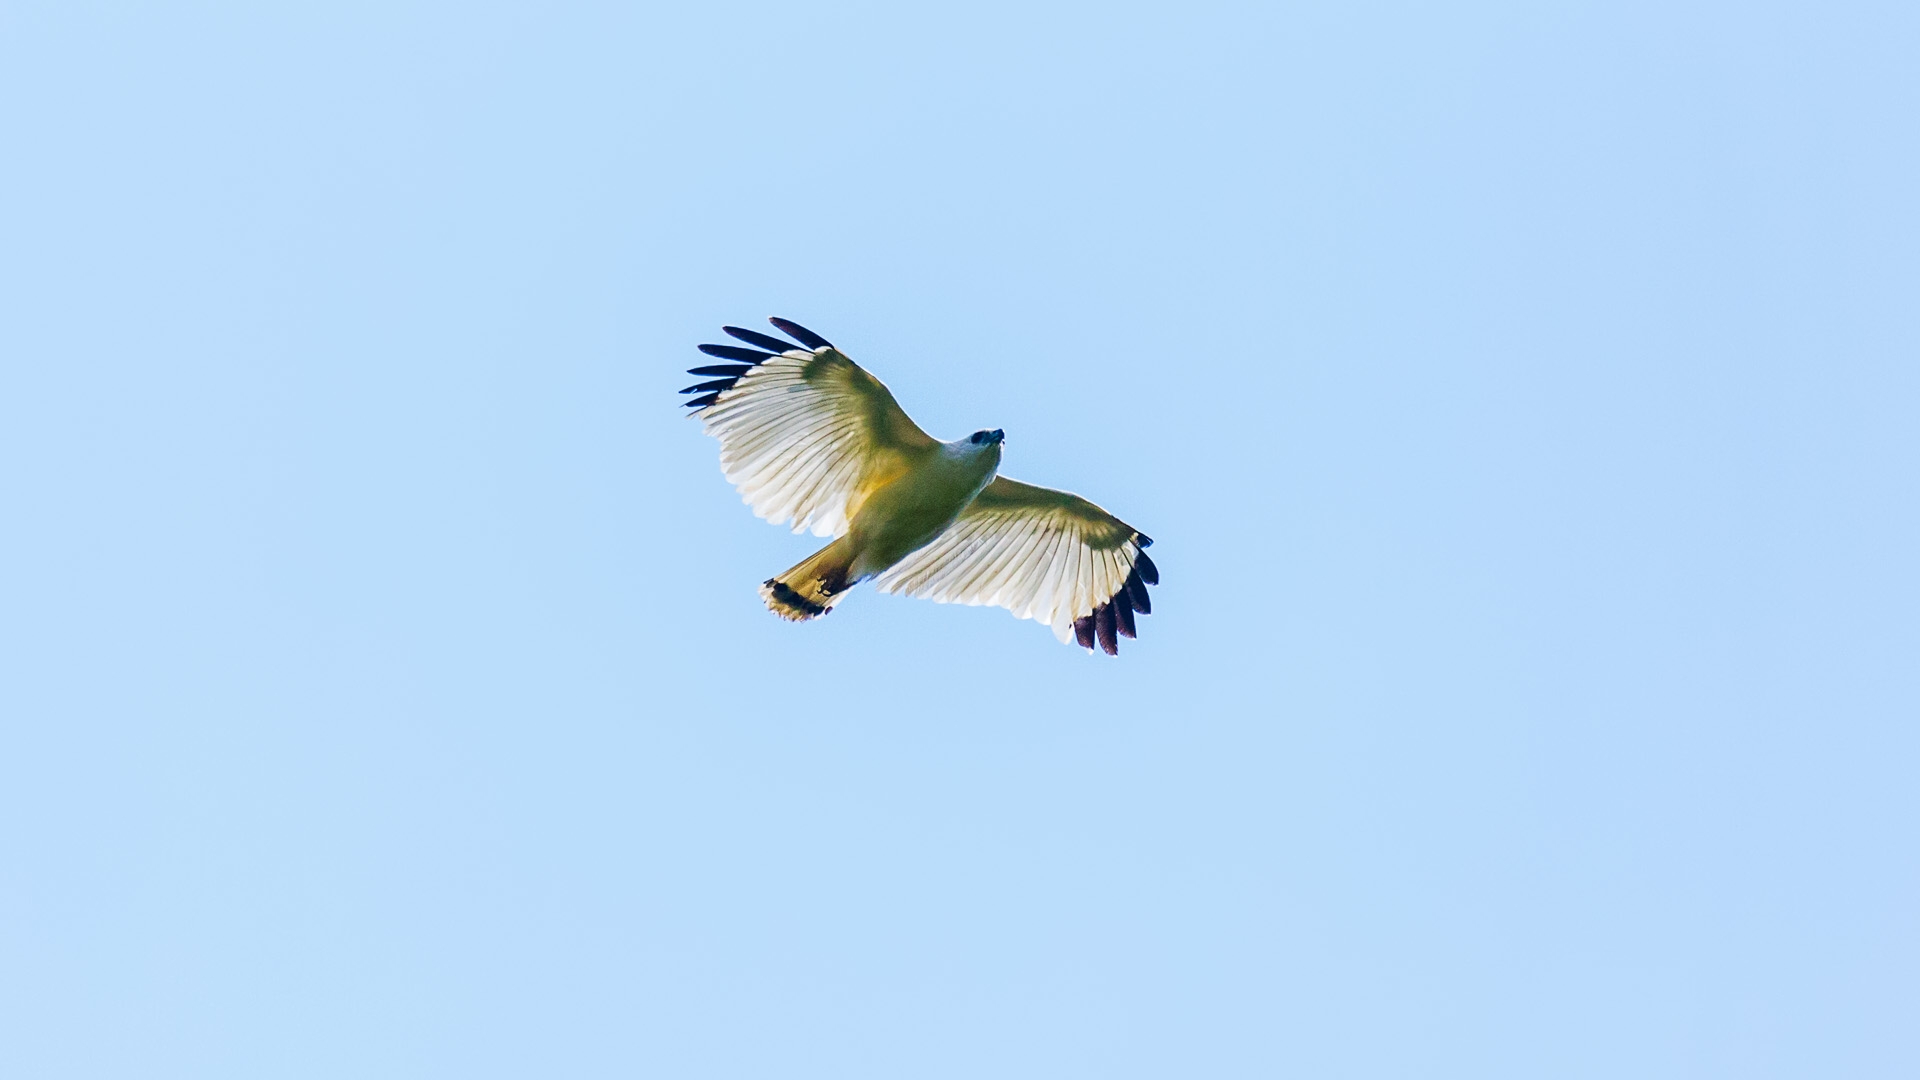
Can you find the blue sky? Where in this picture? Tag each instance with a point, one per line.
(1522, 398)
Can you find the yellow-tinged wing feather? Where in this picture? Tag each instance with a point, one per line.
(1041, 554)
(805, 434)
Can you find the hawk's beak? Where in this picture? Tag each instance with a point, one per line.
(999, 436)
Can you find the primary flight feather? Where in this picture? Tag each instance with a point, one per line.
(808, 437)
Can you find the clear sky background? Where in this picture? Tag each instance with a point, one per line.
(1523, 398)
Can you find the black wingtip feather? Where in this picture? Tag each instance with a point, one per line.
(800, 333)
(717, 384)
(735, 352)
(1122, 605)
(701, 402)
(1148, 572)
(1137, 593)
(731, 370)
(1083, 631)
(1103, 625)
(755, 337)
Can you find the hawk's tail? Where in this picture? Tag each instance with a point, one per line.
(812, 588)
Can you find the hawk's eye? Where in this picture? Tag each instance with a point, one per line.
(976, 437)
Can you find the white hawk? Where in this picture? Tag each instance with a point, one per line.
(809, 437)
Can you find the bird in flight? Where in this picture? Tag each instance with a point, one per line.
(807, 436)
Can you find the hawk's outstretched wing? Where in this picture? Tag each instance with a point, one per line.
(805, 433)
(1041, 554)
